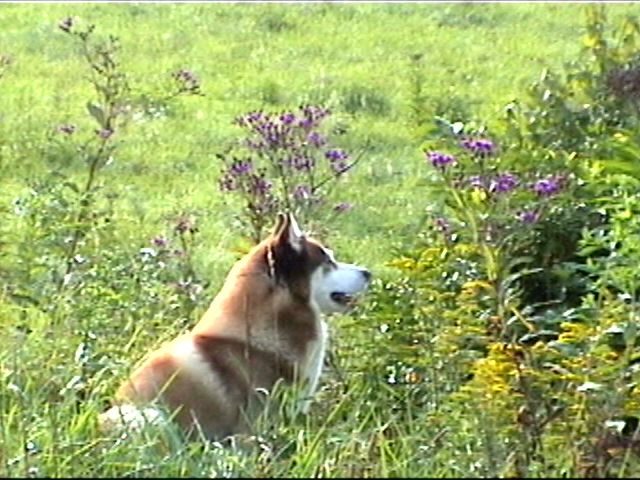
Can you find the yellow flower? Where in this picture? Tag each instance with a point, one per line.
(621, 137)
(478, 195)
(574, 332)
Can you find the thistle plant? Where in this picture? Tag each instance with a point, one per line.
(285, 161)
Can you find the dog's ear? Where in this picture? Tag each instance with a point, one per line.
(287, 232)
(280, 220)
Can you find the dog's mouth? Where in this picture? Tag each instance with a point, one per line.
(343, 298)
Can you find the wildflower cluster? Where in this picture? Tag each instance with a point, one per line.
(171, 259)
(479, 147)
(287, 161)
(474, 179)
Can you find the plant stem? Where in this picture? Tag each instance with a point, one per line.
(82, 212)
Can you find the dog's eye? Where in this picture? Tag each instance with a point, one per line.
(329, 261)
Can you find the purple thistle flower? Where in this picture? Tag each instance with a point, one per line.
(306, 123)
(547, 187)
(503, 183)
(240, 167)
(255, 116)
(479, 147)
(287, 118)
(335, 155)
(342, 207)
(440, 160)
(528, 216)
(315, 139)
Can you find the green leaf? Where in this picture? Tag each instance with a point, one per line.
(630, 333)
(96, 112)
(72, 186)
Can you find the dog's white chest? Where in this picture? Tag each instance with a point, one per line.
(314, 363)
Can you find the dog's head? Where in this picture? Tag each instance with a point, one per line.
(310, 271)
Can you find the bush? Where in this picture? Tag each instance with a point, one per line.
(578, 110)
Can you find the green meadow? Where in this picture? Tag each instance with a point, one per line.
(397, 397)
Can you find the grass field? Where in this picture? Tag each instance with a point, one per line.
(62, 357)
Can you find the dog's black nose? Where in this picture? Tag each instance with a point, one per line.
(366, 274)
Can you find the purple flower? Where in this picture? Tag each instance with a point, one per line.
(160, 241)
(547, 187)
(105, 133)
(479, 147)
(338, 158)
(440, 160)
(274, 135)
(315, 139)
(287, 118)
(240, 167)
(342, 207)
(302, 162)
(314, 113)
(260, 186)
(529, 216)
(441, 224)
(66, 24)
(306, 123)
(67, 128)
(504, 183)
(476, 181)
(336, 154)
(250, 118)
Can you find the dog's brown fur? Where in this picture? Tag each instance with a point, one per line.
(259, 329)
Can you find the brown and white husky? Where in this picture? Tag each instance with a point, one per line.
(264, 325)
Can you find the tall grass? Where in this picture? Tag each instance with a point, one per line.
(61, 356)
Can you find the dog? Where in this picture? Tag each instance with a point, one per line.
(264, 326)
